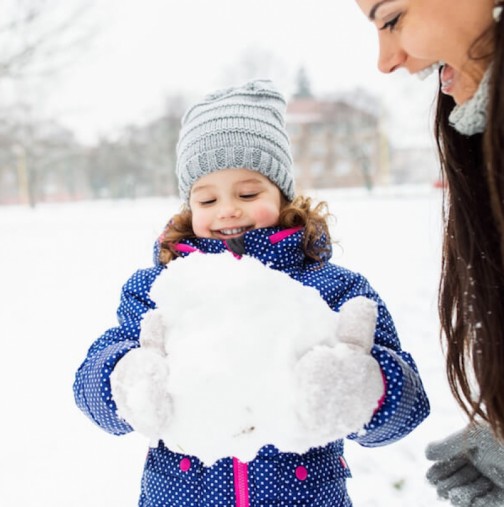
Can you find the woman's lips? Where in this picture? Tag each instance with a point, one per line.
(446, 76)
(427, 71)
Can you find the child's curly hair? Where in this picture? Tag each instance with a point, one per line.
(301, 212)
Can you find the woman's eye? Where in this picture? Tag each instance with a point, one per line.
(391, 24)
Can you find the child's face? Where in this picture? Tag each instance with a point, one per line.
(229, 202)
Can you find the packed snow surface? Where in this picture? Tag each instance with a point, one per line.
(235, 335)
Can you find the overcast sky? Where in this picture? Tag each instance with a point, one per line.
(145, 50)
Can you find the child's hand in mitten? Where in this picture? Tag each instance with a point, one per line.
(139, 382)
(339, 386)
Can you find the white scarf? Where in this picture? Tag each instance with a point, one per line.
(470, 117)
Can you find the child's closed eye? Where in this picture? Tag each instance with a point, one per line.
(249, 195)
(207, 202)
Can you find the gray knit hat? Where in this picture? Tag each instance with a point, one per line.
(242, 127)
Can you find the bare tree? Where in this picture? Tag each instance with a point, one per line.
(40, 37)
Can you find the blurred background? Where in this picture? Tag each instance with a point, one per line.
(91, 93)
(91, 96)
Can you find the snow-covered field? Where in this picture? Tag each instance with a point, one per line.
(61, 270)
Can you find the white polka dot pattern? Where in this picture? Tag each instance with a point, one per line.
(317, 478)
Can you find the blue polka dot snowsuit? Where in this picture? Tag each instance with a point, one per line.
(317, 478)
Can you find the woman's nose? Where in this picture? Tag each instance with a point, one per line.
(391, 56)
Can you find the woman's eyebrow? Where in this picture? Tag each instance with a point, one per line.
(372, 12)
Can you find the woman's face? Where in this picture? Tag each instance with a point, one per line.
(418, 35)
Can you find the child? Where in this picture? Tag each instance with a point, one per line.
(235, 177)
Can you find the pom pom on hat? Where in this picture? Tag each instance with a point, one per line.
(239, 127)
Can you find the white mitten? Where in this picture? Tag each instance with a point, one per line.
(139, 381)
(339, 387)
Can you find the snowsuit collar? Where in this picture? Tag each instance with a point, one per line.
(277, 247)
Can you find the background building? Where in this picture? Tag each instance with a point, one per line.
(336, 143)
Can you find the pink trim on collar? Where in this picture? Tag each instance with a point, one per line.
(181, 247)
(280, 235)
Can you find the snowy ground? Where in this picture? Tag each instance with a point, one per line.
(61, 269)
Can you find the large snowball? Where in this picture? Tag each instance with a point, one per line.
(233, 331)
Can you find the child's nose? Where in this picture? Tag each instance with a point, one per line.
(230, 210)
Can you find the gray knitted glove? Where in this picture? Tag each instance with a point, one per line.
(469, 468)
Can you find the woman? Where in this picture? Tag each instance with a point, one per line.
(464, 41)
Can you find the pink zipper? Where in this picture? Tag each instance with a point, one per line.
(241, 483)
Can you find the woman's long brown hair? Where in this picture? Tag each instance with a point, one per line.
(302, 211)
(471, 291)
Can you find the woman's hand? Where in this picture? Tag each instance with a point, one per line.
(468, 468)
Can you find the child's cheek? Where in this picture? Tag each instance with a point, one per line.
(200, 226)
(267, 216)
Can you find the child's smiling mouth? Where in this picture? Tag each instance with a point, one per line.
(232, 231)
